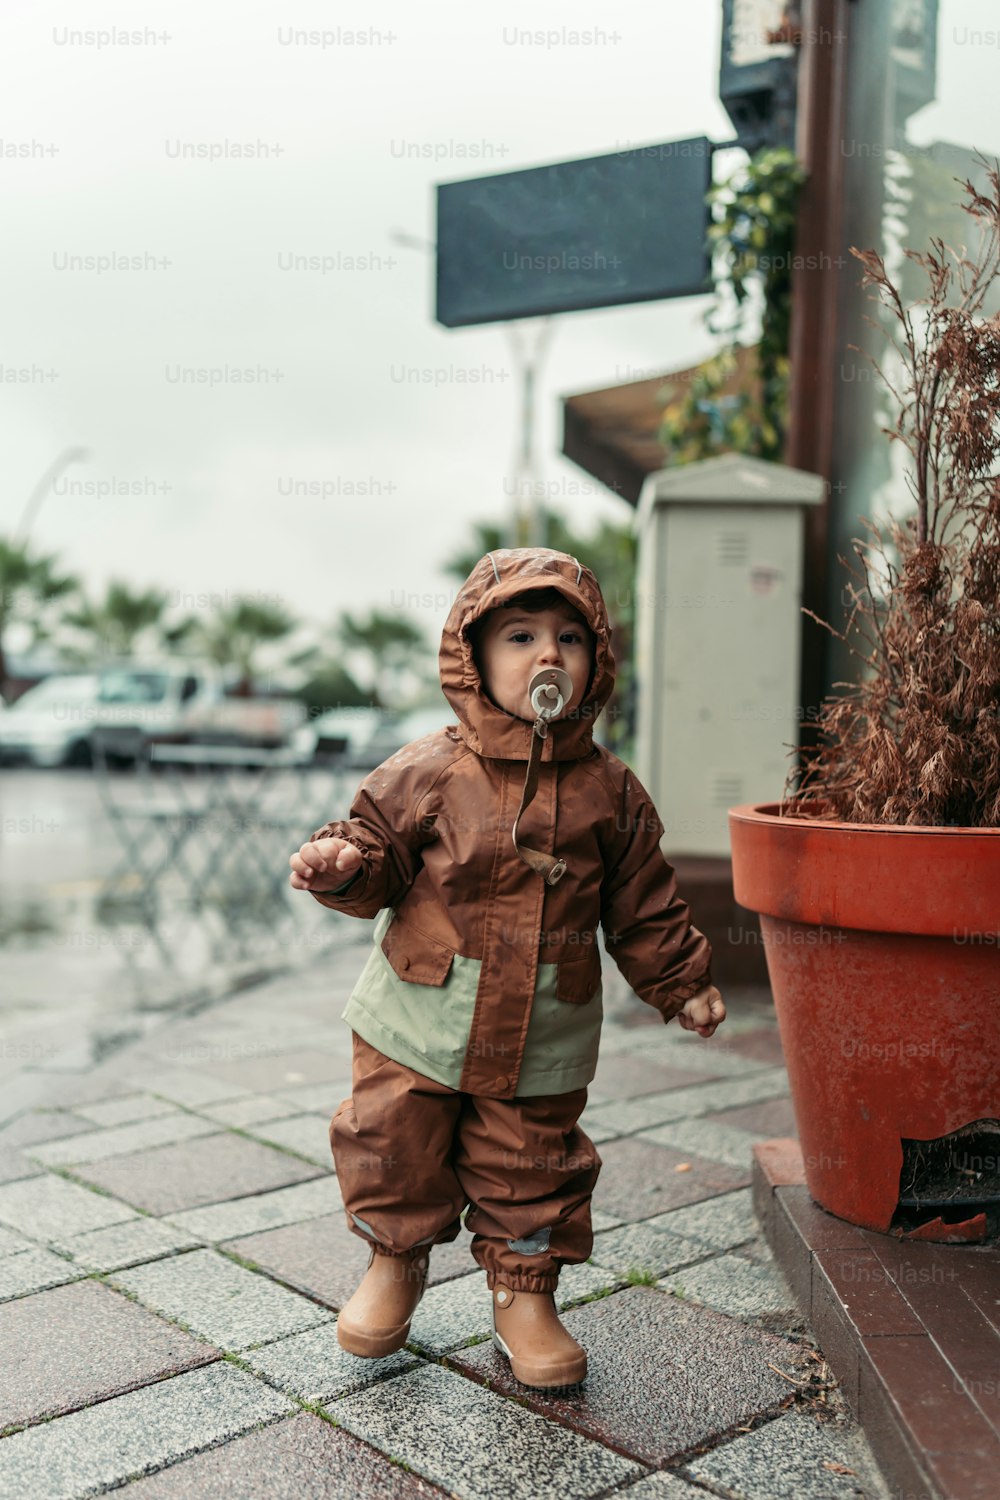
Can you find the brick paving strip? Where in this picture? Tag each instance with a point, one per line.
(912, 1330)
(173, 1254)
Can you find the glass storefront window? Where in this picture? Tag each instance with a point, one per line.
(922, 101)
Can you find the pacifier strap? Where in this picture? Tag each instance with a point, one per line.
(547, 865)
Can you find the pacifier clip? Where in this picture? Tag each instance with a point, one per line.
(549, 689)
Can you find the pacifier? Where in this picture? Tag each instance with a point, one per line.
(550, 689)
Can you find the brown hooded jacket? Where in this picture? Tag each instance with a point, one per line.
(434, 823)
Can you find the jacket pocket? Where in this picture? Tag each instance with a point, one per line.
(578, 979)
(415, 957)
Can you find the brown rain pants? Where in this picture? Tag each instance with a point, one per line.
(411, 1154)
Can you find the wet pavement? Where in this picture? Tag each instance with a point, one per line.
(173, 1253)
(127, 899)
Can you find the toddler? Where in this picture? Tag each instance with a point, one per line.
(490, 851)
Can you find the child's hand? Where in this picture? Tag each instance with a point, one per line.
(323, 865)
(703, 1012)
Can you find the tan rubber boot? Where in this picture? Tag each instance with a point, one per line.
(527, 1329)
(376, 1320)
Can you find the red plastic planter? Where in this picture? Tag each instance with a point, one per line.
(883, 951)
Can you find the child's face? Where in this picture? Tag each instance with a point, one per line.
(514, 644)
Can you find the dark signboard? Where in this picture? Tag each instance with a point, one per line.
(757, 71)
(601, 232)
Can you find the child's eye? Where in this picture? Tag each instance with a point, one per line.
(519, 635)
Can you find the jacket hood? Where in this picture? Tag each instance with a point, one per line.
(497, 577)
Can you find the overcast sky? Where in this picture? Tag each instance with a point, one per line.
(351, 131)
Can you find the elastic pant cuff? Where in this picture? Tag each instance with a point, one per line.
(541, 1281)
(400, 1254)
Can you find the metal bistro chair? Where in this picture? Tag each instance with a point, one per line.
(168, 814)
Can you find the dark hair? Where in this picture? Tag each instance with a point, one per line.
(531, 601)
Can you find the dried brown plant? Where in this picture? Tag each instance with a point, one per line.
(917, 739)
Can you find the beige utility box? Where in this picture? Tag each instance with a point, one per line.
(718, 624)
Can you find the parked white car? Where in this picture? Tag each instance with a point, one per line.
(402, 729)
(141, 702)
(50, 724)
(55, 722)
(343, 732)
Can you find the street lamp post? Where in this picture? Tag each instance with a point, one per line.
(41, 489)
(524, 523)
(526, 519)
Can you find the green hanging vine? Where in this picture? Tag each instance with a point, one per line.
(751, 237)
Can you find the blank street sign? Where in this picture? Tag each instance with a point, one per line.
(601, 232)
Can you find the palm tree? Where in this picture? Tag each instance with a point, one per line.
(609, 552)
(390, 646)
(233, 636)
(115, 623)
(28, 586)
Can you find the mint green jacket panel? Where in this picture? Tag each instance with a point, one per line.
(426, 1027)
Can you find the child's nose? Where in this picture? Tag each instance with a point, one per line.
(549, 654)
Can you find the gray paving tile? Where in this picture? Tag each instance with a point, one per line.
(299, 1458)
(640, 1179)
(11, 1243)
(125, 1244)
(640, 1248)
(710, 1057)
(313, 1366)
(604, 1122)
(766, 1119)
(625, 1077)
(746, 1087)
(758, 1251)
(451, 1314)
(720, 1222)
(198, 1043)
(220, 1300)
(307, 1135)
(124, 1111)
(694, 1057)
(578, 1282)
(183, 1085)
(725, 1143)
(40, 1125)
(792, 1458)
(167, 1179)
(663, 1486)
(319, 1098)
(288, 1205)
(66, 1348)
(21, 1092)
(664, 1376)
(600, 1123)
(649, 1110)
(733, 1286)
(249, 1110)
(33, 1271)
(48, 1208)
(14, 1166)
(452, 1259)
(620, 1041)
(468, 1440)
(122, 1140)
(320, 1256)
(274, 1071)
(94, 1449)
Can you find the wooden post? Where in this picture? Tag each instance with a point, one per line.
(819, 277)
